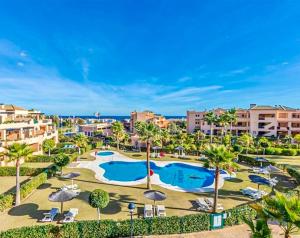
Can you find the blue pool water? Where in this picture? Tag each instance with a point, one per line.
(176, 174)
(105, 153)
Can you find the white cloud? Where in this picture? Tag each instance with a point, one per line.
(184, 79)
(235, 72)
(23, 54)
(21, 64)
(186, 93)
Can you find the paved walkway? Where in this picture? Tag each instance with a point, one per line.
(241, 231)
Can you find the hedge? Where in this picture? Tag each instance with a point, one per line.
(7, 200)
(45, 231)
(142, 227)
(268, 151)
(40, 159)
(32, 184)
(24, 171)
(294, 173)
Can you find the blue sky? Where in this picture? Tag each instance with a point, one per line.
(116, 56)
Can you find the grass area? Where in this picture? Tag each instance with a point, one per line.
(291, 160)
(8, 183)
(36, 165)
(177, 203)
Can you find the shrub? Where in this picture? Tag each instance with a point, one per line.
(289, 152)
(294, 173)
(142, 227)
(31, 185)
(6, 201)
(46, 231)
(40, 159)
(24, 171)
(99, 199)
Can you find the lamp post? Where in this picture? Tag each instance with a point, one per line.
(131, 207)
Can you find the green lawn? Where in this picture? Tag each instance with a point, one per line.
(177, 203)
(8, 183)
(291, 160)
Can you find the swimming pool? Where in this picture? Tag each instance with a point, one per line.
(105, 153)
(179, 176)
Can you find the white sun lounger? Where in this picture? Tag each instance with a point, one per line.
(49, 216)
(70, 187)
(148, 211)
(202, 205)
(260, 170)
(210, 202)
(70, 216)
(161, 210)
(253, 193)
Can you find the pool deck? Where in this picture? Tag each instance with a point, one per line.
(155, 179)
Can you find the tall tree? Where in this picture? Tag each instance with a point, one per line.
(219, 158)
(147, 132)
(286, 210)
(48, 145)
(297, 140)
(245, 140)
(16, 152)
(232, 117)
(118, 132)
(210, 118)
(81, 141)
(164, 137)
(264, 143)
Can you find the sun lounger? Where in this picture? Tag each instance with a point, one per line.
(202, 205)
(260, 170)
(70, 215)
(70, 187)
(253, 193)
(49, 216)
(210, 202)
(161, 210)
(152, 155)
(148, 211)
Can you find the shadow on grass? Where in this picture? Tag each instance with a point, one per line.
(24, 209)
(234, 180)
(13, 189)
(136, 155)
(44, 186)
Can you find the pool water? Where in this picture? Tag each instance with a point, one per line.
(105, 153)
(180, 175)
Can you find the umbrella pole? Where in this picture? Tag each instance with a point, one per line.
(61, 207)
(154, 209)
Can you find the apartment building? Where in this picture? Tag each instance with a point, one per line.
(24, 126)
(258, 120)
(148, 116)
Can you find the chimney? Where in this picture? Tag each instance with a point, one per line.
(252, 105)
(1, 105)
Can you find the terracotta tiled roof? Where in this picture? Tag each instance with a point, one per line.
(11, 107)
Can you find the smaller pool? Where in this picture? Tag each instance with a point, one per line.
(105, 153)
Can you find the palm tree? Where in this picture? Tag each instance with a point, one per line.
(219, 158)
(147, 132)
(264, 143)
(164, 137)
(210, 118)
(17, 152)
(245, 140)
(118, 132)
(232, 117)
(223, 121)
(81, 141)
(48, 145)
(259, 229)
(286, 210)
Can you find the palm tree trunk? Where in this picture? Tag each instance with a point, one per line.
(211, 133)
(18, 195)
(148, 166)
(217, 172)
(230, 127)
(49, 152)
(118, 144)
